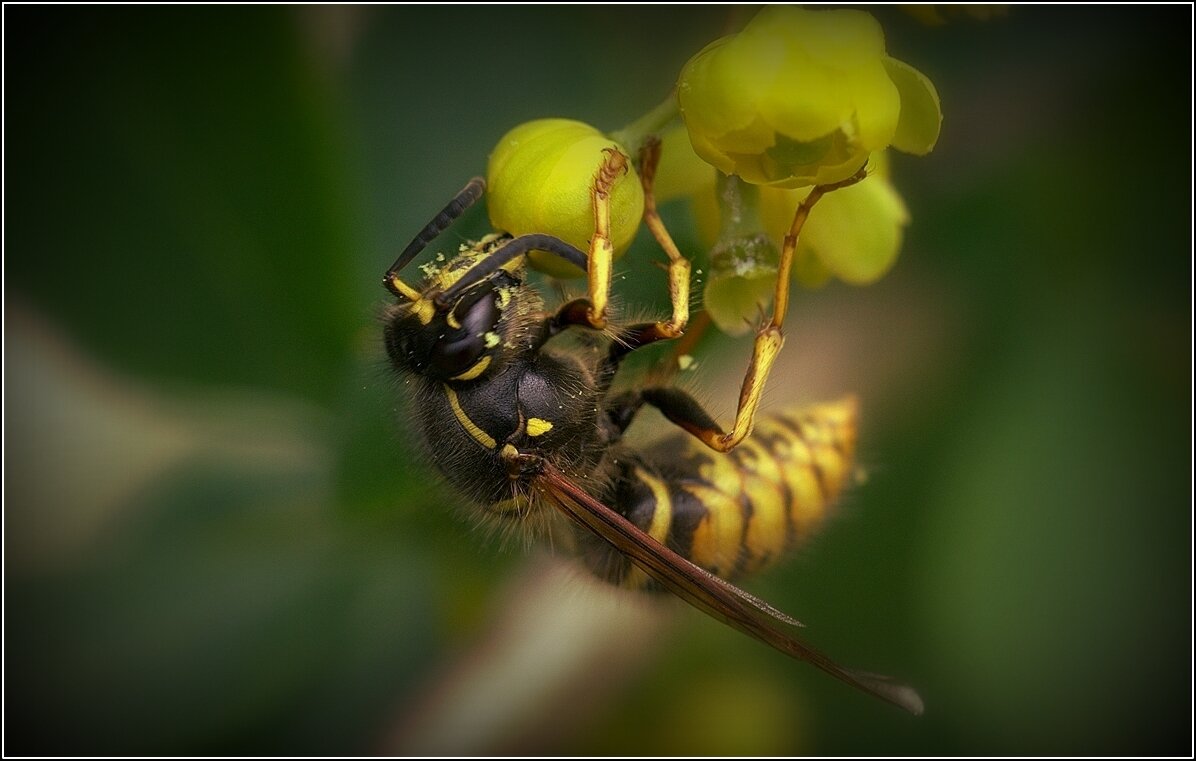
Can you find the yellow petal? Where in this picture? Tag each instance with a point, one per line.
(566, 208)
(802, 97)
(857, 231)
(877, 107)
(709, 152)
(519, 169)
(756, 136)
(806, 101)
(921, 111)
(718, 89)
(840, 38)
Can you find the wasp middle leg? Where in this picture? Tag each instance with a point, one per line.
(681, 408)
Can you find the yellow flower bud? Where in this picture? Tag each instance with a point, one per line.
(540, 176)
(803, 97)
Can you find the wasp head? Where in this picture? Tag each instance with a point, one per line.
(467, 320)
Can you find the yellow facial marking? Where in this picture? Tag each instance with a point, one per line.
(538, 427)
(478, 368)
(424, 309)
(509, 451)
(451, 319)
(470, 427)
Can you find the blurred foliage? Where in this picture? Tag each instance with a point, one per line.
(219, 537)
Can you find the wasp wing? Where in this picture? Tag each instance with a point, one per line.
(704, 590)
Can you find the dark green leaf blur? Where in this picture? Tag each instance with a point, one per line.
(220, 537)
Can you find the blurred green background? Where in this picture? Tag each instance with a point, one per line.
(219, 539)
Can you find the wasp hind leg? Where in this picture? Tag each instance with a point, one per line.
(682, 409)
(770, 337)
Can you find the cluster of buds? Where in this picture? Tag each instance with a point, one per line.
(798, 98)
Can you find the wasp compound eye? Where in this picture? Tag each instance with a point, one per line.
(469, 322)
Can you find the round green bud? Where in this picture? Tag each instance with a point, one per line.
(540, 178)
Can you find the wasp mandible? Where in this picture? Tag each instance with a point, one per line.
(521, 427)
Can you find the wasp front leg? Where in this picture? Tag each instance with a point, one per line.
(591, 311)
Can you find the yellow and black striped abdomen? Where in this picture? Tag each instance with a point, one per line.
(736, 513)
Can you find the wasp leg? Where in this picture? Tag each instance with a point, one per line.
(678, 267)
(620, 410)
(591, 310)
(602, 251)
(681, 408)
(676, 405)
(768, 342)
(465, 198)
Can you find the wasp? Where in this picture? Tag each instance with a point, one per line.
(522, 426)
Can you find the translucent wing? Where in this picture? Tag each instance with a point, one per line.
(705, 591)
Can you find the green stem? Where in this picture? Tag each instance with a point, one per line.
(633, 135)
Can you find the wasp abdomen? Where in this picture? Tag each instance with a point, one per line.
(736, 513)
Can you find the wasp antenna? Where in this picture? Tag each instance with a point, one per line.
(464, 199)
(515, 248)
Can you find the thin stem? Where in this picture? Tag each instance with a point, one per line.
(632, 136)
